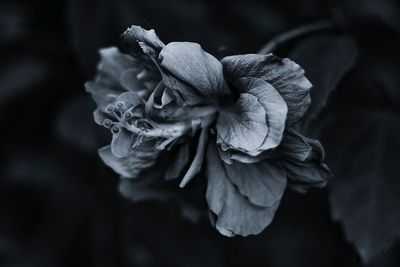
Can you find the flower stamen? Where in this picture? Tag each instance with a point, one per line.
(115, 129)
(107, 123)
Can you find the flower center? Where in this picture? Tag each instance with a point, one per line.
(121, 116)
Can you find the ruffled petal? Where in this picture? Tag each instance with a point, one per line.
(139, 40)
(243, 126)
(122, 142)
(184, 94)
(129, 100)
(139, 159)
(112, 65)
(130, 82)
(236, 215)
(274, 105)
(162, 105)
(110, 83)
(191, 64)
(119, 165)
(103, 96)
(302, 159)
(283, 74)
(231, 155)
(263, 183)
(304, 175)
(301, 148)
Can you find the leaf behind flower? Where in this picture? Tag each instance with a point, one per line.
(365, 192)
(326, 59)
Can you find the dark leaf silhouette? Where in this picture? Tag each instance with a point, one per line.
(362, 142)
(325, 59)
(366, 189)
(386, 11)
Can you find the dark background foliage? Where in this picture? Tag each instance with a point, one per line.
(60, 206)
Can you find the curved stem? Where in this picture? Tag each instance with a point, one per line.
(295, 33)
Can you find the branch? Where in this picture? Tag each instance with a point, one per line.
(295, 33)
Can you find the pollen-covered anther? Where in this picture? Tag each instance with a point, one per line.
(107, 123)
(115, 129)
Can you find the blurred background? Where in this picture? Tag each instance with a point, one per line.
(59, 204)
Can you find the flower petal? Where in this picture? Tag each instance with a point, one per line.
(191, 64)
(107, 85)
(301, 148)
(130, 100)
(147, 186)
(142, 189)
(243, 127)
(263, 183)
(303, 175)
(121, 143)
(119, 165)
(163, 105)
(303, 161)
(236, 214)
(149, 78)
(112, 64)
(140, 158)
(130, 82)
(138, 39)
(102, 96)
(231, 155)
(184, 94)
(283, 74)
(274, 106)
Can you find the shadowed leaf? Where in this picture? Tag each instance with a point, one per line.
(365, 191)
(325, 59)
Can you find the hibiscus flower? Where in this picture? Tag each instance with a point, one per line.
(241, 112)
